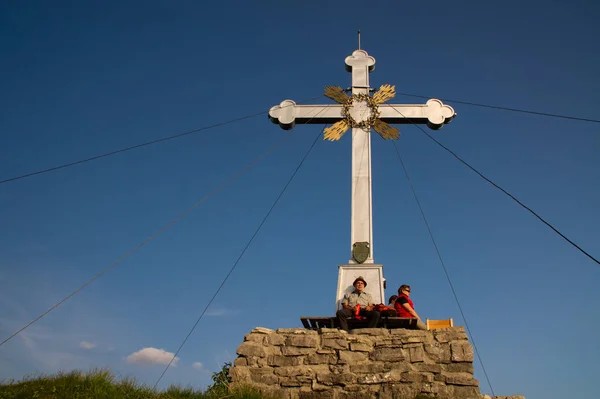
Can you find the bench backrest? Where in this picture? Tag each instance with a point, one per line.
(434, 324)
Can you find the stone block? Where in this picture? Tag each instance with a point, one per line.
(360, 347)
(368, 368)
(333, 333)
(460, 379)
(356, 395)
(411, 336)
(400, 366)
(409, 341)
(262, 362)
(462, 351)
(296, 331)
(264, 389)
(252, 361)
(322, 351)
(290, 393)
(352, 357)
(336, 379)
(438, 352)
(321, 358)
(357, 388)
(295, 351)
(384, 395)
(258, 338)
(450, 334)
(334, 343)
(365, 339)
(302, 341)
(416, 354)
(412, 376)
(263, 376)
(463, 392)
(401, 390)
(322, 368)
(385, 342)
(317, 395)
(239, 374)
(249, 348)
(435, 389)
(274, 339)
(387, 355)
(380, 378)
(459, 368)
(283, 361)
(339, 368)
(319, 387)
(240, 361)
(429, 368)
(293, 371)
(297, 381)
(371, 331)
(262, 330)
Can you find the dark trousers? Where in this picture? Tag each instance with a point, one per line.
(372, 315)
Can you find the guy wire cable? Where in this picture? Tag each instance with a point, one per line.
(147, 143)
(505, 192)
(437, 250)
(147, 240)
(524, 111)
(242, 253)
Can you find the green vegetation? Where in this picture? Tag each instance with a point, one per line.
(100, 384)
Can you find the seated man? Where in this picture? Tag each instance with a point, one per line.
(361, 298)
(405, 308)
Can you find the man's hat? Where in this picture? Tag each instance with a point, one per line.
(359, 278)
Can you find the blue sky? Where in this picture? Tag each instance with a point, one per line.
(80, 79)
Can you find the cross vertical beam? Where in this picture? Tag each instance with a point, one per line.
(360, 64)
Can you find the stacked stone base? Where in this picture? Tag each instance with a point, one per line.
(367, 363)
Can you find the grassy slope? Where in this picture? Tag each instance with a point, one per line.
(98, 384)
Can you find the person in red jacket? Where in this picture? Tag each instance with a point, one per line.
(405, 307)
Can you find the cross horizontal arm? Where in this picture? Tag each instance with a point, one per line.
(434, 113)
(287, 114)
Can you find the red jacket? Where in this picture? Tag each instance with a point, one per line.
(400, 311)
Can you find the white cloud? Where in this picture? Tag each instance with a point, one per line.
(219, 312)
(87, 345)
(199, 366)
(152, 356)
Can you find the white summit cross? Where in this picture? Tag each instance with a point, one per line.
(361, 112)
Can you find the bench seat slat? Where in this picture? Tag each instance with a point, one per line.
(317, 322)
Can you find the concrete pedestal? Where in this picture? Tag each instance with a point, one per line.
(373, 275)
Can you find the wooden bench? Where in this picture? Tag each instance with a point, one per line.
(317, 322)
(434, 324)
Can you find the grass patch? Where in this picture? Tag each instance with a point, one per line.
(100, 384)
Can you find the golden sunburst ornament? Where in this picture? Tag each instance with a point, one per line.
(337, 130)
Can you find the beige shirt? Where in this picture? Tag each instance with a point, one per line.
(354, 298)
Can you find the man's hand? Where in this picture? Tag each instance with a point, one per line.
(369, 308)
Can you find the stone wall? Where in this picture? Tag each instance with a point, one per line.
(366, 363)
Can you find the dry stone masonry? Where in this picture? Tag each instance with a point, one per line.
(297, 363)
